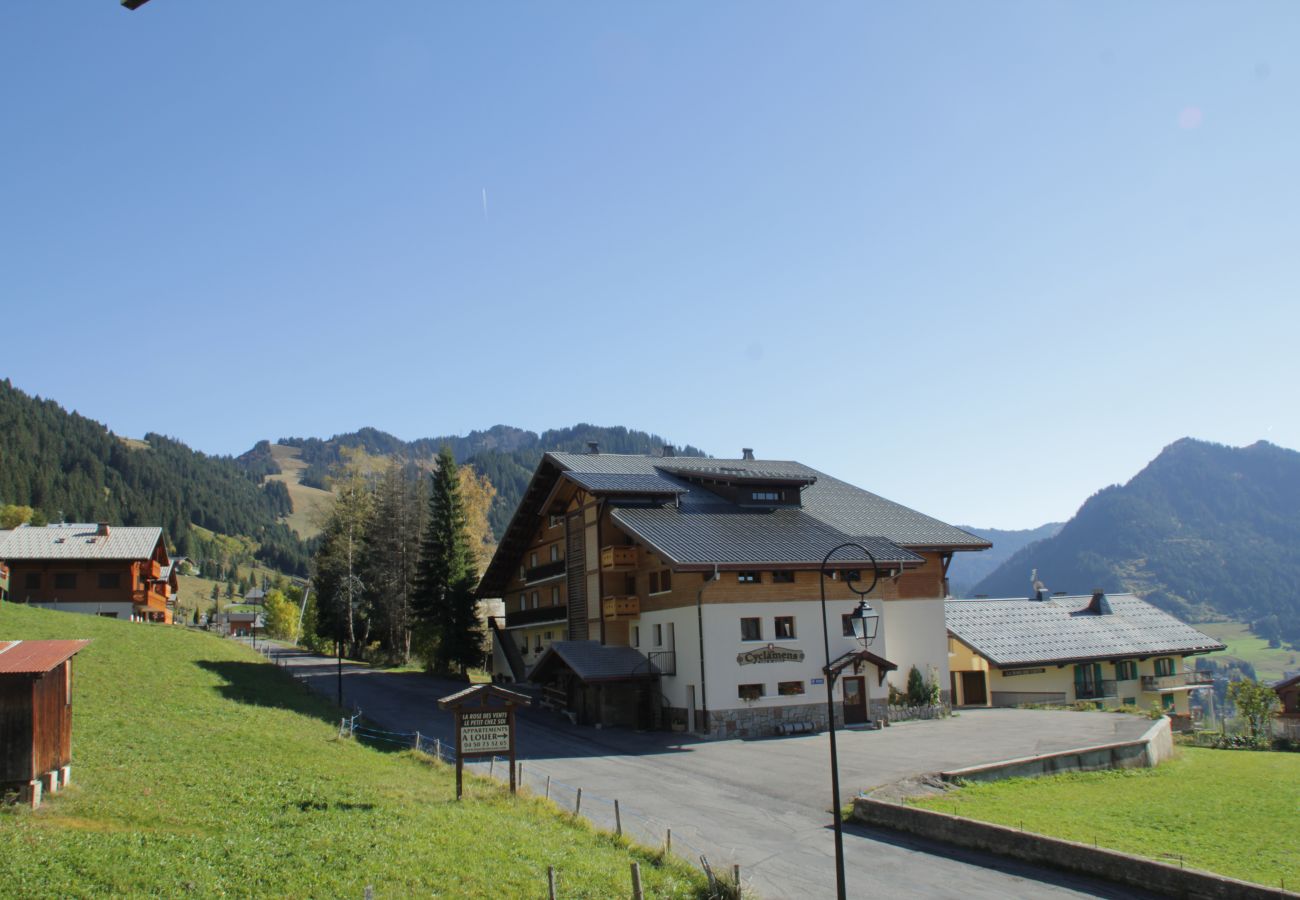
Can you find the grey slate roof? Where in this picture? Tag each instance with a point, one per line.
(619, 483)
(727, 535)
(78, 541)
(848, 509)
(832, 512)
(1020, 631)
(592, 661)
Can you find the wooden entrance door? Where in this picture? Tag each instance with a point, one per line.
(973, 692)
(855, 700)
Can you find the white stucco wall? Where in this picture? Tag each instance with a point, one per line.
(916, 635)
(723, 643)
(122, 610)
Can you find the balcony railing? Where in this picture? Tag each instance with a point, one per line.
(536, 616)
(1096, 691)
(620, 607)
(1152, 683)
(663, 661)
(544, 571)
(614, 559)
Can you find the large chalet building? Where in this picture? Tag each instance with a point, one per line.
(683, 592)
(117, 571)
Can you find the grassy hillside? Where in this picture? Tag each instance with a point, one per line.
(199, 769)
(1271, 663)
(310, 504)
(1226, 811)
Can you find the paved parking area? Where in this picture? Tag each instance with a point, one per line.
(765, 803)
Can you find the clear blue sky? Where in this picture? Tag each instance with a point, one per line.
(983, 259)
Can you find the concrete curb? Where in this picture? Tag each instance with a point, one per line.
(1109, 865)
(1153, 748)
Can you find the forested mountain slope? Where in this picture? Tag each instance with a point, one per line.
(71, 468)
(506, 455)
(967, 569)
(1203, 531)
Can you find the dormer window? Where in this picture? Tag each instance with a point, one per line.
(767, 496)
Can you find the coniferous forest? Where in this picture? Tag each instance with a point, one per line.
(70, 468)
(507, 456)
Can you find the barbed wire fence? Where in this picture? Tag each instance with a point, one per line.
(604, 813)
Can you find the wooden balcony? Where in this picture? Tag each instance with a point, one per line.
(539, 616)
(619, 559)
(620, 607)
(544, 572)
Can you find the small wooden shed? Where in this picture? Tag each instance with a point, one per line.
(36, 717)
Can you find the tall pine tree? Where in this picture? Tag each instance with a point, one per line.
(444, 601)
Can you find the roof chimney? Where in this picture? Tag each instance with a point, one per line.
(593, 447)
(1039, 590)
(747, 453)
(1099, 606)
(669, 451)
(102, 530)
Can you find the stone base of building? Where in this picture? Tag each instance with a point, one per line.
(765, 720)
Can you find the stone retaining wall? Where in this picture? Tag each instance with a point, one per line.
(1153, 748)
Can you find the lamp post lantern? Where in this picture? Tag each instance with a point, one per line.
(864, 621)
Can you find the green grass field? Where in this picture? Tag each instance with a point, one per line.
(1227, 811)
(200, 769)
(1269, 663)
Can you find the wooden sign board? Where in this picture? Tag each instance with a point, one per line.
(485, 725)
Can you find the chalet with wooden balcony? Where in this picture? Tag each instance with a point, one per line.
(116, 571)
(1059, 650)
(684, 592)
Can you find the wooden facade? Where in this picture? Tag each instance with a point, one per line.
(36, 719)
(108, 586)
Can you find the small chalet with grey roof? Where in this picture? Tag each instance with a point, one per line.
(683, 592)
(1058, 649)
(116, 571)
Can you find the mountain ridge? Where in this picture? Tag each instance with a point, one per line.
(1203, 530)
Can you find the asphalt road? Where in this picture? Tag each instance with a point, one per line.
(764, 804)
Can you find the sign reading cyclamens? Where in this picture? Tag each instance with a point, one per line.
(769, 654)
(486, 731)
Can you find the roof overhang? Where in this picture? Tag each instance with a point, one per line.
(1061, 661)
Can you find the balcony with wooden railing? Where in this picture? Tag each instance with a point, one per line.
(621, 607)
(619, 559)
(539, 616)
(1198, 678)
(544, 571)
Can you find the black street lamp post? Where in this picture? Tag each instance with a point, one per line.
(864, 620)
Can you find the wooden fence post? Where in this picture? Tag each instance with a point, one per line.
(636, 882)
(668, 842)
(618, 820)
(548, 787)
(577, 806)
(735, 874)
(417, 740)
(550, 882)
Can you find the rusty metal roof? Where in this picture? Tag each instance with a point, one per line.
(36, 657)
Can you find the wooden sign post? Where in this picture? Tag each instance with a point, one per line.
(485, 725)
